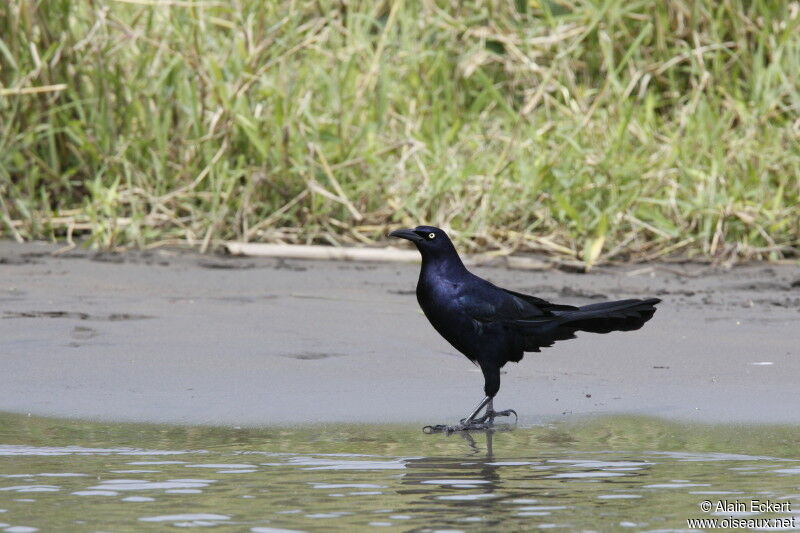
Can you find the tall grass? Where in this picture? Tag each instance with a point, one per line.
(594, 129)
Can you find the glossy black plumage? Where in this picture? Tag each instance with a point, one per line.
(492, 325)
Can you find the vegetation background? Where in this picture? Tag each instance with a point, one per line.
(592, 129)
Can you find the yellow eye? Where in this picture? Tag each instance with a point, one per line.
(431, 235)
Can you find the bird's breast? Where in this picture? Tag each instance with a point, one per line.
(439, 302)
(437, 295)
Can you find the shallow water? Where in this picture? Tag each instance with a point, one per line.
(616, 473)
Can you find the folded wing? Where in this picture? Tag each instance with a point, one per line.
(540, 323)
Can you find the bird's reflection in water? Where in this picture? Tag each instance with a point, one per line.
(452, 490)
(473, 445)
(457, 482)
(476, 466)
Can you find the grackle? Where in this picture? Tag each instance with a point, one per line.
(492, 325)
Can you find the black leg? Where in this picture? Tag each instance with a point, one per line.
(486, 401)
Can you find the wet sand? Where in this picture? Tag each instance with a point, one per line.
(174, 337)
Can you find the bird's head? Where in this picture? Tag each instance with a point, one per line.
(430, 241)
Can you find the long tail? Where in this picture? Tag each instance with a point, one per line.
(622, 315)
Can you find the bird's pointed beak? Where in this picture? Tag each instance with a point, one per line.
(406, 234)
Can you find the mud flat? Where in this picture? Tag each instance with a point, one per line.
(166, 336)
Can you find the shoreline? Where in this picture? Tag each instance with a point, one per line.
(176, 337)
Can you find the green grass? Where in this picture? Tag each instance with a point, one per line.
(598, 130)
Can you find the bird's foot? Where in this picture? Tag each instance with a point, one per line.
(473, 422)
(464, 425)
(480, 423)
(507, 412)
(491, 414)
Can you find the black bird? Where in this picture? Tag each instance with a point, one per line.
(492, 325)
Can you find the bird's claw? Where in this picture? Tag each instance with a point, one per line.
(475, 424)
(491, 415)
(507, 412)
(443, 428)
